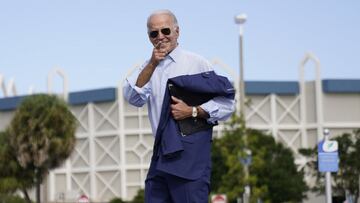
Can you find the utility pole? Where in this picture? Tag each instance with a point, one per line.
(240, 20)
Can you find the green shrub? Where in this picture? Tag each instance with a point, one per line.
(140, 197)
(11, 199)
(116, 200)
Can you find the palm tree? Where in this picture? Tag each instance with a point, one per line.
(42, 135)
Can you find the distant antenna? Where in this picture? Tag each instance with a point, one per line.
(62, 74)
(9, 89)
(31, 90)
(318, 95)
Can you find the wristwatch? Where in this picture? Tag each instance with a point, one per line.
(194, 112)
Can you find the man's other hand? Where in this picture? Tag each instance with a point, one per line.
(180, 109)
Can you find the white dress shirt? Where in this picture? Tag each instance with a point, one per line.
(178, 62)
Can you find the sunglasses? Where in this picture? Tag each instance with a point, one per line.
(164, 31)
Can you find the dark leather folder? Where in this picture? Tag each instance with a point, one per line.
(191, 125)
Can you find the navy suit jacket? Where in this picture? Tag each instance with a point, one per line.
(186, 156)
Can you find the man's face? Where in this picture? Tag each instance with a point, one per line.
(162, 32)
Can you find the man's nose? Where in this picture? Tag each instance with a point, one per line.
(161, 35)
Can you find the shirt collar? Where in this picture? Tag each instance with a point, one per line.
(174, 55)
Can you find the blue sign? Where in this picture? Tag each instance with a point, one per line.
(328, 156)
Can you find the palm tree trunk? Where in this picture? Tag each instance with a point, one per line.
(38, 192)
(26, 194)
(38, 186)
(358, 192)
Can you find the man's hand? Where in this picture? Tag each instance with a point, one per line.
(159, 53)
(180, 109)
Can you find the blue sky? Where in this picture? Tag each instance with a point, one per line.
(97, 42)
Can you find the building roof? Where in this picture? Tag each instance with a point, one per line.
(251, 88)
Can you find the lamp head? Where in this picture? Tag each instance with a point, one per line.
(326, 132)
(240, 19)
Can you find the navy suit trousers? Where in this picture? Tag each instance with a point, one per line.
(162, 187)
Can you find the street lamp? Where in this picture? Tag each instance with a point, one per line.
(240, 20)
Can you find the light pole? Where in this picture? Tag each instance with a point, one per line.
(240, 20)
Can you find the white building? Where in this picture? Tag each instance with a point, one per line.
(114, 140)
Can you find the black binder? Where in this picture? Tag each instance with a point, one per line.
(191, 125)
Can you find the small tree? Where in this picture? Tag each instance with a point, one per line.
(116, 200)
(227, 174)
(8, 183)
(273, 173)
(346, 180)
(41, 135)
(12, 176)
(140, 197)
(276, 175)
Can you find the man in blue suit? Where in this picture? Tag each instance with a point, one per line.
(181, 164)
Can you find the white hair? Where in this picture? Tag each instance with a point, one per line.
(160, 12)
